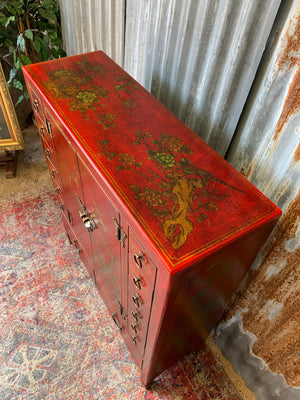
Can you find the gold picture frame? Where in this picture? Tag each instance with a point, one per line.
(10, 133)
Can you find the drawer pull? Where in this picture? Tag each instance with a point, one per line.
(134, 327)
(117, 322)
(42, 132)
(137, 282)
(48, 154)
(136, 315)
(122, 311)
(53, 173)
(77, 247)
(62, 207)
(134, 339)
(36, 105)
(87, 220)
(138, 259)
(49, 127)
(70, 218)
(137, 300)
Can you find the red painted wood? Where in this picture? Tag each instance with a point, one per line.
(123, 157)
(105, 256)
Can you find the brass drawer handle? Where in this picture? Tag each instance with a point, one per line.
(42, 132)
(36, 105)
(137, 300)
(48, 154)
(117, 322)
(53, 173)
(134, 339)
(136, 315)
(134, 327)
(87, 220)
(138, 259)
(137, 282)
(77, 247)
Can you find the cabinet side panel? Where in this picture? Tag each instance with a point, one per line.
(197, 297)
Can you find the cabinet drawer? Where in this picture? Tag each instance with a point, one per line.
(36, 102)
(44, 135)
(141, 281)
(49, 152)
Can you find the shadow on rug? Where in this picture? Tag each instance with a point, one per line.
(57, 341)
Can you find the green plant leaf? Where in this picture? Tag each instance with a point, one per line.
(2, 4)
(29, 34)
(20, 99)
(18, 84)
(47, 14)
(21, 42)
(37, 45)
(12, 74)
(46, 39)
(2, 19)
(11, 10)
(26, 60)
(17, 4)
(17, 62)
(8, 21)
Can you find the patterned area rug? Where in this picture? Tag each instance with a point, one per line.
(57, 341)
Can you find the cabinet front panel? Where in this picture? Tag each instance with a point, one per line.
(67, 162)
(103, 220)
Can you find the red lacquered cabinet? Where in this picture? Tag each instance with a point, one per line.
(166, 228)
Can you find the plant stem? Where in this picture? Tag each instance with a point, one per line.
(33, 59)
(22, 32)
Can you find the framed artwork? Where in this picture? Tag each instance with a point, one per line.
(10, 133)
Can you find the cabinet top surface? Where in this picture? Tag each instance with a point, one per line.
(183, 194)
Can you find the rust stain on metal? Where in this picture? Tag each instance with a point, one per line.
(290, 58)
(291, 104)
(282, 191)
(286, 61)
(247, 173)
(296, 153)
(275, 282)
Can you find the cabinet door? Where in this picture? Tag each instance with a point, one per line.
(106, 248)
(67, 162)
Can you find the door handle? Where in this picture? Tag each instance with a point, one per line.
(117, 322)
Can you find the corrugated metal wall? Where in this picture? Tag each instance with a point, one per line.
(201, 58)
(266, 144)
(265, 316)
(90, 25)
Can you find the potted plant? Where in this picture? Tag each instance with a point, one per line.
(30, 31)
